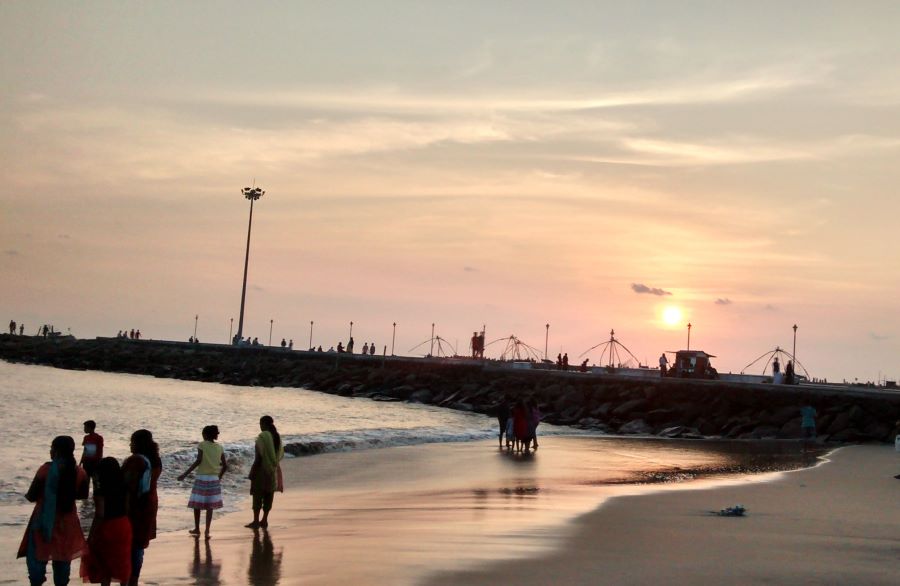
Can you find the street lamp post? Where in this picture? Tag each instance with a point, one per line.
(689, 336)
(230, 326)
(794, 353)
(253, 194)
(196, 317)
(310, 334)
(271, 324)
(393, 338)
(546, 340)
(351, 329)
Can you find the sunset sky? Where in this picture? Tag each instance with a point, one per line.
(513, 164)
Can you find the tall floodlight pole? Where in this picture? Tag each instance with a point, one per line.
(230, 326)
(196, 317)
(253, 194)
(546, 340)
(689, 336)
(310, 334)
(393, 338)
(431, 352)
(271, 324)
(794, 353)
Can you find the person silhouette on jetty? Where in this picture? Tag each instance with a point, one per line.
(789, 373)
(283, 343)
(21, 329)
(365, 350)
(663, 365)
(206, 494)
(565, 361)
(12, 328)
(53, 533)
(350, 346)
(265, 473)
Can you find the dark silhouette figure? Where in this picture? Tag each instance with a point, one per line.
(350, 346)
(21, 329)
(340, 348)
(776, 366)
(565, 361)
(372, 349)
(789, 373)
(559, 362)
(12, 327)
(283, 343)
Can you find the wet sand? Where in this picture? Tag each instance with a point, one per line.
(457, 513)
(837, 523)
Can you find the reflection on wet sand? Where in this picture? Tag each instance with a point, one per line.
(205, 572)
(265, 562)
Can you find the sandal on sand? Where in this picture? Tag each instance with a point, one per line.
(253, 525)
(194, 532)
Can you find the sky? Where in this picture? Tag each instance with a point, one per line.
(588, 165)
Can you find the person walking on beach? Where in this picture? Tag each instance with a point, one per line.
(663, 365)
(206, 495)
(141, 472)
(108, 553)
(54, 532)
(536, 417)
(502, 420)
(808, 425)
(265, 473)
(92, 450)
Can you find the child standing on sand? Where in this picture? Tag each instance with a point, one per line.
(206, 494)
(92, 450)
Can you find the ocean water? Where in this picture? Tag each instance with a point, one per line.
(40, 403)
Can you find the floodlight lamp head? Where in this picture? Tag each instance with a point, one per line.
(253, 193)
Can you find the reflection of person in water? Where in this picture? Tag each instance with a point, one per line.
(265, 563)
(205, 571)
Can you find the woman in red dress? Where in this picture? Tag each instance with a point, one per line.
(520, 426)
(54, 532)
(108, 555)
(141, 470)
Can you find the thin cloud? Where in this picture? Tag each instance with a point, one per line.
(470, 269)
(879, 337)
(11, 252)
(641, 288)
(723, 301)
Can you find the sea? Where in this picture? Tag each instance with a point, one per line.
(41, 402)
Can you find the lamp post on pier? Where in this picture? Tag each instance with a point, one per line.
(310, 334)
(271, 324)
(794, 353)
(393, 338)
(196, 317)
(230, 326)
(546, 340)
(253, 194)
(689, 336)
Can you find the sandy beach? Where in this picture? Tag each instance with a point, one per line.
(408, 516)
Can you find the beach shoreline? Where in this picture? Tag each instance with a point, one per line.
(315, 538)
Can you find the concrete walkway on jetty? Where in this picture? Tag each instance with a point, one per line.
(606, 403)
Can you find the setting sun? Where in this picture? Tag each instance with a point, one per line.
(672, 316)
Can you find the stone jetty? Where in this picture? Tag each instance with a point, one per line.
(606, 403)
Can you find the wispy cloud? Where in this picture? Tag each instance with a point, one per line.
(723, 301)
(641, 288)
(879, 337)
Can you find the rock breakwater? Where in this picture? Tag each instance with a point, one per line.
(668, 408)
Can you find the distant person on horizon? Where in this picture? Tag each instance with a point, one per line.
(565, 361)
(53, 533)
(340, 348)
(350, 346)
(206, 494)
(92, 450)
(789, 373)
(137, 334)
(559, 362)
(372, 349)
(291, 344)
(365, 350)
(283, 343)
(663, 365)
(21, 329)
(12, 328)
(776, 366)
(265, 473)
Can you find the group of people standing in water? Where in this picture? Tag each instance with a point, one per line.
(126, 502)
(518, 423)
